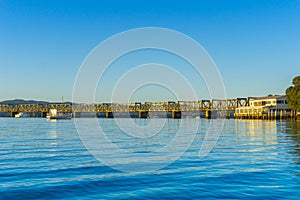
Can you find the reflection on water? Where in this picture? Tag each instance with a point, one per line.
(255, 127)
(253, 159)
(262, 136)
(292, 130)
(259, 132)
(53, 138)
(145, 151)
(145, 140)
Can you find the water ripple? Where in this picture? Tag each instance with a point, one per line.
(253, 159)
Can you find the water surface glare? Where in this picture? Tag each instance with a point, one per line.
(252, 159)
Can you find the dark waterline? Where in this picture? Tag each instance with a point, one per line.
(252, 159)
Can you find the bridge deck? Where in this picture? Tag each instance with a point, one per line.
(200, 105)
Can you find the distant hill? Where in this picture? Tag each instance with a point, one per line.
(22, 101)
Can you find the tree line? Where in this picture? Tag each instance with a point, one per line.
(293, 95)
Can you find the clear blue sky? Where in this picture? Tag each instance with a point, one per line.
(255, 43)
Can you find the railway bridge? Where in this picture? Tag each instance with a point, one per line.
(172, 109)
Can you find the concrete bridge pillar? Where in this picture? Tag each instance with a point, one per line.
(143, 114)
(208, 114)
(176, 114)
(12, 114)
(109, 115)
(43, 114)
(211, 114)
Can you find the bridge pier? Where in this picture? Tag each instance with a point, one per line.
(176, 114)
(230, 114)
(143, 114)
(208, 114)
(211, 114)
(109, 115)
(12, 114)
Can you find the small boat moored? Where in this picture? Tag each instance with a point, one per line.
(54, 114)
(21, 115)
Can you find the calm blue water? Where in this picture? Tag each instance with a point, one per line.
(40, 159)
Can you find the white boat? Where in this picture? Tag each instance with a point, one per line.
(21, 115)
(54, 114)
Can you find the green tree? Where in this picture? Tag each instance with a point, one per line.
(293, 95)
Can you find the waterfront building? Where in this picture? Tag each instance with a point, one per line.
(264, 107)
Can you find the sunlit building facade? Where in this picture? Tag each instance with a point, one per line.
(272, 106)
